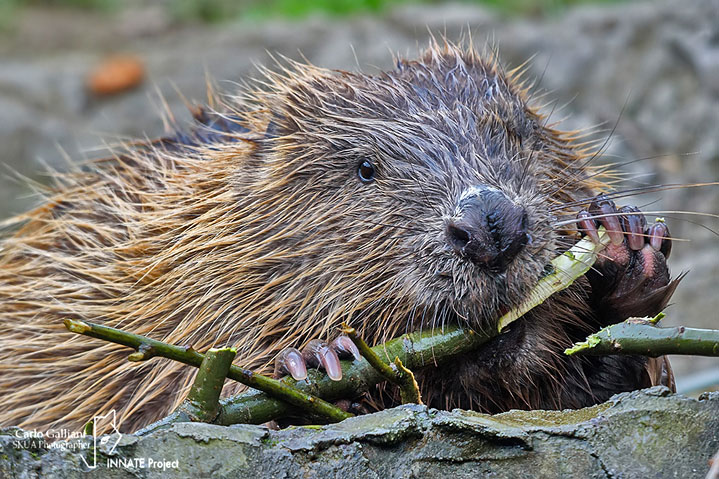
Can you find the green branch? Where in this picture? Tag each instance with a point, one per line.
(641, 336)
(147, 348)
(414, 350)
(203, 401)
(396, 372)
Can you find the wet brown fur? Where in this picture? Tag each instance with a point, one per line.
(261, 237)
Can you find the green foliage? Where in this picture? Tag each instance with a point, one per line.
(536, 7)
(7, 12)
(217, 10)
(301, 8)
(221, 10)
(84, 4)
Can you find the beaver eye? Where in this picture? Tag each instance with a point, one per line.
(366, 171)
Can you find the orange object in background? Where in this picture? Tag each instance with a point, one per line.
(116, 74)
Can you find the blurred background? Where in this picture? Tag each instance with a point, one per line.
(78, 74)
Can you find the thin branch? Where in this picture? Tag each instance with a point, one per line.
(394, 372)
(203, 401)
(147, 348)
(641, 336)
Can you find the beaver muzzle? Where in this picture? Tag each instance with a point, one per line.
(489, 229)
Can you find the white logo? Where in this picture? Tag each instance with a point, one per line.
(111, 440)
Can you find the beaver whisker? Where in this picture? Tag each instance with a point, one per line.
(633, 192)
(613, 167)
(633, 213)
(599, 151)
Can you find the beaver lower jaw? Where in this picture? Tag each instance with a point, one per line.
(484, 294)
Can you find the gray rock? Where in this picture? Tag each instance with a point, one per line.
(643, 434)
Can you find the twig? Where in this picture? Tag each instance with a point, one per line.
(414, 350)
(641, 336)
(187, 355)
(398, 375)
(203, 401)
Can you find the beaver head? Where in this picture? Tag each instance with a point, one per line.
(429, 189)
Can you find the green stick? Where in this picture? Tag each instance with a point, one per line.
(203, 401)
(398, 375)
(187, 355)
(641, 336)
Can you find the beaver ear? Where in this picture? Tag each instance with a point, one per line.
(280, 125)
(272, 130)
(209, 127)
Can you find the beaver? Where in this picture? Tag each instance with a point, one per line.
(431, 194)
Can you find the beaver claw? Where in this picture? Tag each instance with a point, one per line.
(631, 277)
(316, 353)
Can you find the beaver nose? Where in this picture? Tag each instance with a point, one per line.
(490, 229)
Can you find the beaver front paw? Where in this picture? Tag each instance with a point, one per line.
(316, 353)
(630, 277)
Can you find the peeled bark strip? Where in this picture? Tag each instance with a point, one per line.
(566, 268)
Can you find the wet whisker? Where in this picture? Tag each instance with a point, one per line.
(633, 191)
(632, 213)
